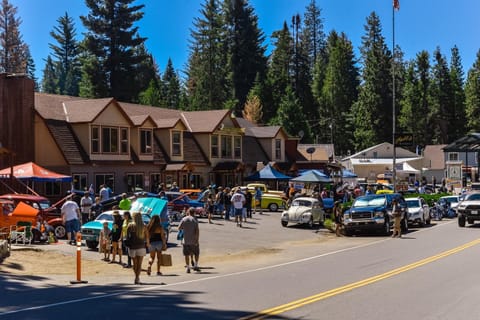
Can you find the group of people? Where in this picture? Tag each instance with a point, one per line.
(130, 235)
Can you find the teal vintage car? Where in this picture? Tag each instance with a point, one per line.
(148, 206)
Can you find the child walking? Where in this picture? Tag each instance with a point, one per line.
(105, 241)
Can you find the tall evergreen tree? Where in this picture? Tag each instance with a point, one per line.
(30, 69)
(13, 51)
(151, 96)
(472, 94)
(458, 94)
(245, 48)
(112, 38)
(172, 88)
(49, 80)
(373, 110)
(66, 54)
(280, 69)
(442, 100)
(339, 93)
(207, 74)
(313, 35)
(415, 103)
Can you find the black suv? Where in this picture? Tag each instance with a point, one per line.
(374, 213)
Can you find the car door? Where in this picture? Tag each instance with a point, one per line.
(317, 211)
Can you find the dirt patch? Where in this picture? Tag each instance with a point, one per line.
(33, 261)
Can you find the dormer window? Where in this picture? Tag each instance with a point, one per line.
(176, 143)
(109, 140)
(146, 141)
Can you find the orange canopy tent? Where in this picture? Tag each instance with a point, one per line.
(32, 171)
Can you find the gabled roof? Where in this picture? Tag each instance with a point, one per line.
(400, 151)
(50, 106)
(263, 132)
(470, 142)
(204, 121)
(78, 111)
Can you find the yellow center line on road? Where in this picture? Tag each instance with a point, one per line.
(333, 292)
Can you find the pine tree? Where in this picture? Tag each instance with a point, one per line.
(472, 94)
(458, 94)
(373, 110)
(171, 85)
(112, 39)
(207, 75)
(30, 70)
(66, 54)
(151, 96)
(339, 93)
(442, 100)
(253, 109)
(245, 49)
(13, 51)
(280, 69)
(49, 80)
(312, 35)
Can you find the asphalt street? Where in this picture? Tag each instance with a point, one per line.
(265, 271)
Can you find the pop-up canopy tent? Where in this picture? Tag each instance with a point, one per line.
(313, 176)
(34, 172)
(267, 173)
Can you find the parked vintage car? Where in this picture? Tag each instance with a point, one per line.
(374, 213)
(48, 213)
(304, 210)
(270, 202)
(418, 211)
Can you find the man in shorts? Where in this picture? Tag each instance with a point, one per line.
(71, 219)
(238, 201)
(191, 236)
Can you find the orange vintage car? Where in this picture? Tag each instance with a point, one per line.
(31, 208)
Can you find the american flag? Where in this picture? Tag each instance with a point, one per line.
(396, 4)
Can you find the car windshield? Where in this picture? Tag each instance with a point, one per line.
(413, 203)
(450, 199)
(301, 203)
(472, 196)
(45, 204)
(105, 217)
(369, 202)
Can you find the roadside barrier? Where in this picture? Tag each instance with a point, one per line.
(79, 261)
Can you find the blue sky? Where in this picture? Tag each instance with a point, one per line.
(419, 25)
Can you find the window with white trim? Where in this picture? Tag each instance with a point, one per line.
(176, 143)
(146, 141)
(226, 145)
(95, 140)
(453, 156)
(237, 147)
(214, 146)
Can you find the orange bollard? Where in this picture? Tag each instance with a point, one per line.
(79, 260)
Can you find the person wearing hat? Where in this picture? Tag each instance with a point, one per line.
(125, 203)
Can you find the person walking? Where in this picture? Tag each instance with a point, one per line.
(86, 207)
(191, 236)
(125, 203)
(258, 199)
(228, 203)
(220, 201)
(397, 218)
(116, 237)
(248, 203)
(158, 243)
(127, 218)
(71, 219)
(238, 201)
(137, 236)
(338, 216)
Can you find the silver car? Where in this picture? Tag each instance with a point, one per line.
(418, 211)
(304, 210)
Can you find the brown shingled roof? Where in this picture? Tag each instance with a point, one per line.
(204, 121)
(263, 132)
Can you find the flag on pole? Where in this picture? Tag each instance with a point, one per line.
(396, 4)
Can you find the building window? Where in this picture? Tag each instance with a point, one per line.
(176, 143)
(146, 141)
(453, 156)
(278, 149)
(106, 178)
(226, 147)
(95, 142)
(214, 146)
(110, 140)
(123, 140)
(135, 182)
(237, 147)
(80, 181)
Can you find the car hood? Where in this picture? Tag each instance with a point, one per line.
(296, 212)
(96, 225)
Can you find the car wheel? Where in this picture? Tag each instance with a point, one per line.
(284, 223)
(386, 227)
(60, 231)
(310, 223)
(273, 207)
(461, 221)
(91, 244)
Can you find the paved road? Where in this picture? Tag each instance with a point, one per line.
(338, 278)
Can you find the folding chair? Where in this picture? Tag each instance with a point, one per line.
(21, 232)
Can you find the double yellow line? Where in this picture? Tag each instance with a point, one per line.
(330, 293)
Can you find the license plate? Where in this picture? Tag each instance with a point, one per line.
(474, 212)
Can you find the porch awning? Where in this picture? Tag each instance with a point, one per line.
(177, 167)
